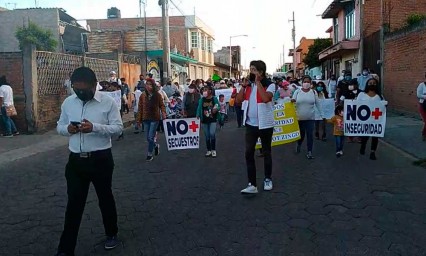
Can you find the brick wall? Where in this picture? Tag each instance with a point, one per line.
(371, 17)
(11, 67)
(404, 68)
(49, 111)
(396, 11)
(133, 23)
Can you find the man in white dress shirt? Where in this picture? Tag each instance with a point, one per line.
(89, 118)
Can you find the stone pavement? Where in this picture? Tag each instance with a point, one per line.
(185, 204)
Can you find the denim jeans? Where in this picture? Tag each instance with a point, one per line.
(209, 130)
(151, 129)
(307, 128)
(340, 140)
(8, 123)
(253, 133)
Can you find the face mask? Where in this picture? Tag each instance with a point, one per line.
(191, 90)
(347, 78)
(306, 86)
(351, 87)
(319, 89)
(84, 94)
(372, 87)
(205, 94)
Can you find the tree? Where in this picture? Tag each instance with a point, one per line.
(33, 34)
(311, 59)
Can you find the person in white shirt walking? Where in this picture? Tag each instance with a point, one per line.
(256, 99)
(89, 118)
(136, 95)
(421, 96)
(113, 78)
(372, 93)
(306, 100)
(6, 100)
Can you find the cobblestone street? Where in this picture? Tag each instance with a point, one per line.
(185, 204)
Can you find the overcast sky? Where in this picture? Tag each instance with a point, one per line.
(266, 22)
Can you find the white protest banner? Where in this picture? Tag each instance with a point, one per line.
(182, 133)
(364, 118)
(327, 108)
(226, 92)
(116, 95)
(286, 127)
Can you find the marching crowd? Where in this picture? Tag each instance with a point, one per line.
(91, 118)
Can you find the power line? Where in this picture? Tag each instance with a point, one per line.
(190, 21)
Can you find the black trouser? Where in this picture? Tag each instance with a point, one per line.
(374, 143)
(322, 124)
(252, 135)
(239, 112)
(80, 172)
(160, 127)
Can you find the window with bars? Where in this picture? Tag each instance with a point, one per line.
(203, 42)
(210, 46)
(336, 30)
(350, 25)
(350, 20)
(195, 36)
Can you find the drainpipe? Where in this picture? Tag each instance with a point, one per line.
(361, 34)
(382, 48)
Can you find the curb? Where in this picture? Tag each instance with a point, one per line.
(399, 150)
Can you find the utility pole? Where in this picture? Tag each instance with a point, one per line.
(283, 57)
(293, 34)
(146, 37)
(166, 40)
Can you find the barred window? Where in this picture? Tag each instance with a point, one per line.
(195, 38)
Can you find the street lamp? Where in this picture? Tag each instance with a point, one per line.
(230, 53)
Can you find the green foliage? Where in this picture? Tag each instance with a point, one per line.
(415, 18)
(33, 34)
(311, 59)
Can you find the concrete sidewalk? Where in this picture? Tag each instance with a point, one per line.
(405, 133)
(22, 146)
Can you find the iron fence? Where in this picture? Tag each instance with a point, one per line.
(54, 68)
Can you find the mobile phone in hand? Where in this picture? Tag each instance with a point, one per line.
(76, 124)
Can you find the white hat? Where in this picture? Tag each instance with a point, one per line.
(112, 73)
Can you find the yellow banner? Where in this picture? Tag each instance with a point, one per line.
(286, 129)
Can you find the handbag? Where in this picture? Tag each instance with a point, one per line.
(11, 111)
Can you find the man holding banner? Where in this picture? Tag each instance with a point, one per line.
(256, 99)
(366, 117)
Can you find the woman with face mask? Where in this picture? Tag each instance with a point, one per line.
(321, 90)
(207, 111)
(306, 100)
(372, 93)
(190, 102)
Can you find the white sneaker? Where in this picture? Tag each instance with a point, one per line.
(341, 152)
(214, 153)
(267, 185)
(209, 153)
(250, 189)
